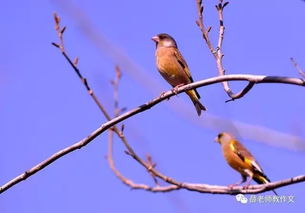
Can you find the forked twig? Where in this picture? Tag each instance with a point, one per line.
(217, 52)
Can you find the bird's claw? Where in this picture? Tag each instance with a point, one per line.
(231, 186)
(162, 94)
(175, 89)
(246, 186)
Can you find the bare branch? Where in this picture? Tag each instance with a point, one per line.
(149, 166)
(127, 181)
(115, 84)
(241, 93)
(217, 53)
(257, 79)
(60, 31)
(175, 185)
(252, 189)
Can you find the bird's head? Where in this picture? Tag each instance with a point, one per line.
(223, 137)
(164, 40)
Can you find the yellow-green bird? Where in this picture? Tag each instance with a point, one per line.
(240, 159)
(172, 66)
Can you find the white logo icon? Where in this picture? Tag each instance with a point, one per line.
(241, 198)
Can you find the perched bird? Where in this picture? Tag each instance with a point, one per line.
(240, 159)
(172, 66)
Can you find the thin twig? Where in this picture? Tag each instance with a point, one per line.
(200, 24)
(296, 65)
(74, 65)
(152, 165)
(115, 84)
(258, 79)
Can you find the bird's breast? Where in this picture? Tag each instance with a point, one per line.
(169, 67)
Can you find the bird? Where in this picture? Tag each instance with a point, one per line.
(240, 159)
(173, 68)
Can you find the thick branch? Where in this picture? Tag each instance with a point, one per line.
(257, 79)
(252, 189)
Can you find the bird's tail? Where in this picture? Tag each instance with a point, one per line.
(262, 179)
(199, 107)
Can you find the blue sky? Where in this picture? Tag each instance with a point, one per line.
(44, 108)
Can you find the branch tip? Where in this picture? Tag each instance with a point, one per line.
(63, 30)
(56, 18)
(225, 4)
(127, 153)
(56, 45)
(75, 61)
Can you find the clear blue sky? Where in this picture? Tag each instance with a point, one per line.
(44, 108)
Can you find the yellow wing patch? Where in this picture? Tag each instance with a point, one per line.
(248, 161)
(242, 157)
(232, 147)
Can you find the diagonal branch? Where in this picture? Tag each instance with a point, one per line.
(74, 63)
(257, 79)
(296, 65)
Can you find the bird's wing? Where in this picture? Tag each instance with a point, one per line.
(183, 63)
(246, 156)
(186, 70)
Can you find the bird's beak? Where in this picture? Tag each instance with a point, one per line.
(216, 140)
(155, 39)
